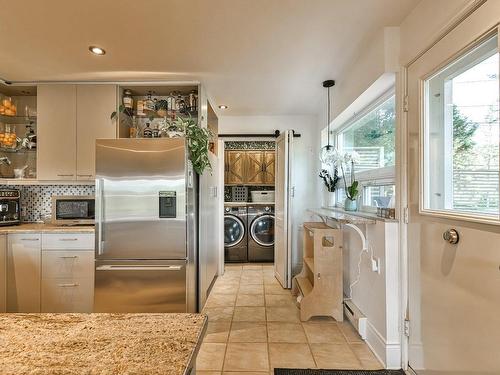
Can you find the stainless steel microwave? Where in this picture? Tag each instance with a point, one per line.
(73, 209)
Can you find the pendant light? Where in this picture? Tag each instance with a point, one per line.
(328, 154)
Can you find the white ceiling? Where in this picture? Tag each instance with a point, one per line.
(260, 57)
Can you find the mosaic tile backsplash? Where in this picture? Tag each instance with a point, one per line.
(36, 200)
(249, 145)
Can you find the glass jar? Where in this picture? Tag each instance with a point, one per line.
(128, 101)
(10, 137)
(147, 132)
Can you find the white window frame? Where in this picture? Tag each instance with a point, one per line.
(424, 204)
(372, 177)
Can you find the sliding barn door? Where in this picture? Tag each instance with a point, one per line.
(283, 209)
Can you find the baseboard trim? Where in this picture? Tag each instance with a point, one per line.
(387, 353)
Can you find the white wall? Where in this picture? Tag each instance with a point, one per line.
(377, 66)
(306, 162)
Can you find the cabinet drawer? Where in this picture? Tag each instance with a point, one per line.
(63, 264)
(68, 241)
(67, 295)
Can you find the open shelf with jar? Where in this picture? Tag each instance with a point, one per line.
(151, 111)
(18, 137)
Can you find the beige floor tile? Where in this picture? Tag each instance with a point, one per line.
(323, 333)
(246, 357)
(251, 288)
(248, 332)
(244, 373)
(276, 289)
(249, 314)
(217, 332)
(322, 319)
(366, 357)
(335, 356)
(216, 314)
(286, 332)
(217, 300)
(208, 372)
(250, 300)
(279, 300)
(271, 280)
(225, 288)
(252, 279)
(253, 267)
(282, 314)
(210, 357)
(232, 266)
(291, 356)
(349, 332)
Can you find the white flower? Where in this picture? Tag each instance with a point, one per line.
(352, 157)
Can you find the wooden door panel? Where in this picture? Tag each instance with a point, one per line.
(235, 173)
(255, 168)
(269, 167)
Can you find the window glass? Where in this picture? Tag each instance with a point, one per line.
(378, 196)
(462, 134)
(372, 137)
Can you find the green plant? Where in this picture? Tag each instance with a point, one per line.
(197, 140)
(330, 183)
(352, 191)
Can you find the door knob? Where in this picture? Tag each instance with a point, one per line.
(451, 236)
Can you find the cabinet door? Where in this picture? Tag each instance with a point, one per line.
(269, 167)
(255, 168)
(3, 273)
(94, 105)
(236, 167)
(23, 272)
(56, 133)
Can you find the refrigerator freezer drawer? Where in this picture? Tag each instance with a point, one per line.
(133, 286)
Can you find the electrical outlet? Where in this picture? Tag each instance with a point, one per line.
(376, 265)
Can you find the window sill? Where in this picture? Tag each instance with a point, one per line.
(364, 215)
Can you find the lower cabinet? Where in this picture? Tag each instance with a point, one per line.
(50, 272)
(3, 273)
(23, 272)
(67, 280)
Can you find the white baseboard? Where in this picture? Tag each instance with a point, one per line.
(387, 353)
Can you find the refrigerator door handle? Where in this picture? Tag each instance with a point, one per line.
(138, 268)
(99, 214)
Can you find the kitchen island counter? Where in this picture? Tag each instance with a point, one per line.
(99, 343)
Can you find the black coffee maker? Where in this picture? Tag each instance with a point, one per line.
(10, 207)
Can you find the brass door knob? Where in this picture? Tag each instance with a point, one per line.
(451, 236)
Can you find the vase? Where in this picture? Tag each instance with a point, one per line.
(328, 199)
(350, 205)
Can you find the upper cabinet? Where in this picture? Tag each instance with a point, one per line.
(94, 105)
(56, 107)
(71, 118)
(251, 167)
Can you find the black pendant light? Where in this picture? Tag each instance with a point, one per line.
(328, 153)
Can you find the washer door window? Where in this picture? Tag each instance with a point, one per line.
(262, 230)
(234, 231)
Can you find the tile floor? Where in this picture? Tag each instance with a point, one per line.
(254, 326)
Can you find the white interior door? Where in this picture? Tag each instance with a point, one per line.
(453, 177)
(283, 209)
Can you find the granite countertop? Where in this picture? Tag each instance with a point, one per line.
(46, 228)
(243, 204)
(342, 216)
(99, 343)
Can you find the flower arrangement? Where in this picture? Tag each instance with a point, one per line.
(329, 181)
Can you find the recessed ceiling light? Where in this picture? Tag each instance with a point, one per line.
(97, 50)
(222, 106)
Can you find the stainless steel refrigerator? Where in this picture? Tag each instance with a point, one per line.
(146, 222)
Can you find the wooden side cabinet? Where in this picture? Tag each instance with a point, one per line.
(252, 167)
(235, 165)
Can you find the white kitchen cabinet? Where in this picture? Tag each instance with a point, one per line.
(67, 277)
(3, 273)
(56, 132)
(70, 119)
(94, 105)
(23, 272)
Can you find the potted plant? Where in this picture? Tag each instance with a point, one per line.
(351, 190)
(331, 184)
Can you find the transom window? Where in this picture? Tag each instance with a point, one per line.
(461, 134)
